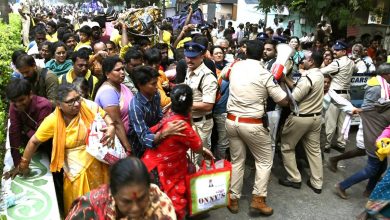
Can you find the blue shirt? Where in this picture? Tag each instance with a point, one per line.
(220, 106)
(143, 115)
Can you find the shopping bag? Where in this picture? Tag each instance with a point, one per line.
(103, 153)
(209, 188)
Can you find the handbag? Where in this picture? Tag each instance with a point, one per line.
(209, 188)
(96, 149)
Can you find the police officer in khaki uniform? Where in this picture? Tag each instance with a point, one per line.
(305, 125)
(341, 70)
(204, 87)
(24, 12)
(250, 86)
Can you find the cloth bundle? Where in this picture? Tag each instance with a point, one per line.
(141, 21)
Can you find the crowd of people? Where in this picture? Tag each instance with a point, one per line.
(200, 89)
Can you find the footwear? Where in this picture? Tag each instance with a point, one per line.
(338, 148)
(288, 183)
(367, 193)
(258, 205)
(340, 192)
(233, 206)
(332, 164)
(327, 150)
(318, 191)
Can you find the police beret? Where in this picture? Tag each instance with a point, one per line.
(262, 36)
(339, 45)
(192, 49)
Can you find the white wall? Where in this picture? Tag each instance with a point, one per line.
(247, 12)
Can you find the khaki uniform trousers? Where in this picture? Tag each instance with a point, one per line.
(204, 129)
(306, 129)
(334, 119)
(258, 140)
(26, 30)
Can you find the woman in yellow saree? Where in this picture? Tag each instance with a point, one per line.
(68, 126)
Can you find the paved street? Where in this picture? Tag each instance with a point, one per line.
(290, 203)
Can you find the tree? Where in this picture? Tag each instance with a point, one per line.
(4, 11)
(340, 12)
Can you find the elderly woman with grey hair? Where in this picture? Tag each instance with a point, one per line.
(68, 127)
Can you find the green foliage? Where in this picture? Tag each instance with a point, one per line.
(342, 12)
(9, 42)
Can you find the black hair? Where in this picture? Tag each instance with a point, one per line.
(143, 41)
(24, 60)
(39, 30)
(295, 37)
(152, 56)
(16, 54)
(132, 54)
(181, 98)
(318, 58)
(81, 54)
(202, 40)
(86, 50)
(166, 26)
(49, 47)
(61, 31)
(64, 89)
(243, 42)
(17, 87)
(143, 74)
(215, 47)
(161, 46)
(128, 171)
(254, 49)
(112, 43)
(271, 41)
(52, 24)
(86, 30)
(101, 20)
(328, 76)
(67, 36)
(109, 63)
(57, 45)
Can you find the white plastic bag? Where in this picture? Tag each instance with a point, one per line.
(104, 154)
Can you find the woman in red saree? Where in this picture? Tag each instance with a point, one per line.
(169, 159)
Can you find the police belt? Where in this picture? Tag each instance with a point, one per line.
(206, 117)
(341, 91)
(244, 120)
(306, 115)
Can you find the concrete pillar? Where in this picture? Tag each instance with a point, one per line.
(211, 12)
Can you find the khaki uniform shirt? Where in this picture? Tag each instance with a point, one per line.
(208, 87)
(250, 85)
(341, 71)
(310, 95)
